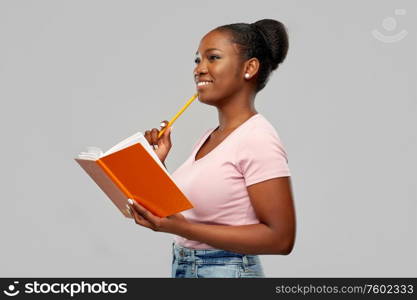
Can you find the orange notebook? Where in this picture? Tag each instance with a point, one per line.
(131, 169)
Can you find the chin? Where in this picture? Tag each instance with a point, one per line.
(205, 99)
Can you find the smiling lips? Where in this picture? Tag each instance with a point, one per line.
(202, 84)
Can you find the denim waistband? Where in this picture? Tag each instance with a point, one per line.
(207, 255)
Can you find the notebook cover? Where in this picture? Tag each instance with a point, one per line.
(105, 183)
(135, 174)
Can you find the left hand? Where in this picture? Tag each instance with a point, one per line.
(145, 218)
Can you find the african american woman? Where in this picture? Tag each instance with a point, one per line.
(237, 175)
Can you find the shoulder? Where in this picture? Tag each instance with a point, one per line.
(260, 154)
(261, 131)
(260, 143)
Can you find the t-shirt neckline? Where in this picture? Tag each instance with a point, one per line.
(203, 140)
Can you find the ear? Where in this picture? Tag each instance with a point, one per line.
(251, 67)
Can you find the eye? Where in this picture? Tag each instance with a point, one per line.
(213, 56)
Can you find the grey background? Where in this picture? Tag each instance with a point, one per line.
(90, 73)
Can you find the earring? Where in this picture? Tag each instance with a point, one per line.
(247, 75)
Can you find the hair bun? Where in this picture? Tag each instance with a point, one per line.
(276, 37)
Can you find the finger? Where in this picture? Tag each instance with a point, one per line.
(129, 211)
(139, 219)
(154, 136)
(146, 214)
(167, 132)
(162, 128)
(165, 135)
(138, 208)
(148, 136)
(164, 123)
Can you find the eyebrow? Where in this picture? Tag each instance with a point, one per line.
(209, 49)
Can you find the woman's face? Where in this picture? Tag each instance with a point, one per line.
(217, 61)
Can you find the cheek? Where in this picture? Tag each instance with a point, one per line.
(224, 75)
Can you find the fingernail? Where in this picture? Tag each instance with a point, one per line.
(162, 124)
(130, 201)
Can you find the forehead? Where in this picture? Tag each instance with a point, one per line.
(217, 39)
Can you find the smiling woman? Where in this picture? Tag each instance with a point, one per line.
(237, 175)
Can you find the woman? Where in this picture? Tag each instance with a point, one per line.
(237, 176)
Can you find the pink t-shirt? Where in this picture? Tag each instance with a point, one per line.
(216, 183)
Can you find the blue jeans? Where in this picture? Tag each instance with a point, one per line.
(211, 263)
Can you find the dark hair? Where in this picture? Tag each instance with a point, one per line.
(266, 39)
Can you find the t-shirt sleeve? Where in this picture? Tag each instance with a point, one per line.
(261, 156)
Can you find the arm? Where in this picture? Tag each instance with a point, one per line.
(275, 234)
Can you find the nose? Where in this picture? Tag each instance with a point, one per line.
(200, 69)
(198, 73)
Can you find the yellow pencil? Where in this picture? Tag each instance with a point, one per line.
(178, 113)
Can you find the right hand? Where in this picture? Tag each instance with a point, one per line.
(163, 143)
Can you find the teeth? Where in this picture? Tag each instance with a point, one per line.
(203, 83)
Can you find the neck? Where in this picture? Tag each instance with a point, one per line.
(235, 111)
